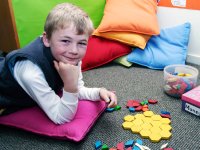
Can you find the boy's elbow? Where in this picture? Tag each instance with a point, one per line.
(65, 116)
(59, 120)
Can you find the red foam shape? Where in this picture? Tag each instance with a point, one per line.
(152, 101)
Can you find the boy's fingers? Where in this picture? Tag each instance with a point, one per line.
(112, 104)
(107, 99)
(113, 101)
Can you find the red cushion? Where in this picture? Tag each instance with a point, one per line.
(101, 51)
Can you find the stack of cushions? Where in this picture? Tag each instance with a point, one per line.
(127, 22)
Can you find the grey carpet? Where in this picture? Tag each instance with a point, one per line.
(134, 83)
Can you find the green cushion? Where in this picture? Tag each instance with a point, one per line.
(123, 61)
(30, 15)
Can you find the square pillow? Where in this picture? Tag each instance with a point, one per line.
(137, 16)
(170, 47)
(129, 38)
(123, 61)
(87, 114)
(101, 51)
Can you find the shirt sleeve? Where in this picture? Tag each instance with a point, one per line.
(32, 80)
(86, 92)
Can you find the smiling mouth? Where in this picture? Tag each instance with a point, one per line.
(72, 59)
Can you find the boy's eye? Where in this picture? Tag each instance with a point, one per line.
(82, 43)
(65, 41)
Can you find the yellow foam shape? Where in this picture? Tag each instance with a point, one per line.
(148, 113)
(181, 74)
(127, 125)
(188, 75)
(156, 123)
(166, 127)
(145, 133)
(146, 126)
(165, 135)
(136, 128)
(129, 118)
(147, 119)
(172, 79)
(138, 122)
(155, 137)
(149, 125)
(156, 117)
(165, 121)
(139, 116)
(155, 130)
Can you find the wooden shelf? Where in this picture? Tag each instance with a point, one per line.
(8, 33)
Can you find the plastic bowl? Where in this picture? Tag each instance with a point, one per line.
(179, 79)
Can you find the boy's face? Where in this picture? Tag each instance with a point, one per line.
(66, 46)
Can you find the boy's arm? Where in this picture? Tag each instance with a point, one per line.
(32, 80)
(85, 92)
(95, 94)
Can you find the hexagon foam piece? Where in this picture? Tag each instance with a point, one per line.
(165, 135)
(155, 137)
(165, 121)
(138, 122)
(156, 117)
(146, 126)
(127, 125)
(129, 118)
(139, 116)
(156, 123)
(148, 113)
(145, 133)
(166, 127)
(136, 128)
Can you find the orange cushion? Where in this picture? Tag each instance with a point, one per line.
(131, 16)
(129, 38)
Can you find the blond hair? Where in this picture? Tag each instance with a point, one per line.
(65, 14)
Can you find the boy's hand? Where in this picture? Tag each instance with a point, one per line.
(69, 75)
(109, 97)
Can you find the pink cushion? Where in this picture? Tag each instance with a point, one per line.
(34, 120)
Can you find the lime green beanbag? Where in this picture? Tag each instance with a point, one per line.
(30, 15)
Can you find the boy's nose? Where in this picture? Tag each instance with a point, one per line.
(74, 50)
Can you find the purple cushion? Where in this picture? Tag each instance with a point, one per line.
(34, 120)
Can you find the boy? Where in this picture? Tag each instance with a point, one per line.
(38, 72)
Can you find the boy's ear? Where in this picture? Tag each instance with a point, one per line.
(45, 39)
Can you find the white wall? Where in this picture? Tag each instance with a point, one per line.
(168, 17)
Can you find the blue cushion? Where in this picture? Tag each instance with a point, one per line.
(170, 47)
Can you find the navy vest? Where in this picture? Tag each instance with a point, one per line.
(35, 52)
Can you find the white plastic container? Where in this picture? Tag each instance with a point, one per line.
(179, 79)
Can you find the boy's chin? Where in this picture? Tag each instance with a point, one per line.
(73, 63)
